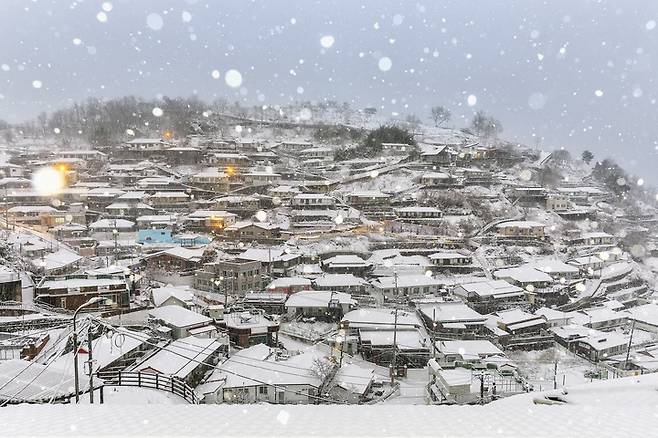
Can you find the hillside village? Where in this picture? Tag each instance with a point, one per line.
(263, 264)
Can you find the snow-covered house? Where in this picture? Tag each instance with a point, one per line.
(187, 359)
(521, 229)
(250, 328)
(255, 375)
(180, 320)
(327, 305)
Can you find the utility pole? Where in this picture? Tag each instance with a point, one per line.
(434, 333)
(481, 377)
(91, 365)
(395, 347)
(630, 341)
(555, 375)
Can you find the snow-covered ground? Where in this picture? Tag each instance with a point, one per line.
(615, 408)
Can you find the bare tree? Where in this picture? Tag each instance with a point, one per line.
(485, 125)
(440, 115)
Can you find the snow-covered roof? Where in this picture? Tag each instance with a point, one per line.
(406, 281)
(523, 274)
(288, 282)
(267, 255)
(318, 299)
(181, 357)
(380, 318)
(497, 288)
(161, 294)
(647, 313)
(204, 214)
(338, 280)
(179, 316)
(250, 368)
(469, 348)
(451, 312)
(112, 223)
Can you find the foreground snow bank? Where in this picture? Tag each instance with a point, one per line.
(623, 407)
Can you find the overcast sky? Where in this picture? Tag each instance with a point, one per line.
(577, 74)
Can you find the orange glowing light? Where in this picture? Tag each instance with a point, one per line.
(230, 170)
(168, 135)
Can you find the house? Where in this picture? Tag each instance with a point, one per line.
(261, 178)
(312, 201)
(157, 221)
(212, 220)
(230, 276)
(187, 359)
(528, 195)
(148, 144)
(180, 320)
(172, 295)
(466, 350)
(554, 318)
(253, 231)
(380, 331)
(326, 305)
(275, 260)
(316, 219)
(273, 303)
(451, 317)
(448, 260)
(587, 264)
(597, 346)
(30, 214)
(175, 259)
(71, 292)
(251, 328)
(437, 180)
(521, 229)
(524, 276)
(111, 226)
(346, 264)
(593, 238)
(347, 283)
(406, 285)
(418, 214)
(365, 200)
(451, 386)
(126, 209)
(435, 154)
(558, 203)
(519, 322)
(353, 383)
(241, 205)
(169, 200)
(289, 285)
(488, 295)
(556, 268)
(601, 318)
(211, 179)
(68, 231)
(256, 375)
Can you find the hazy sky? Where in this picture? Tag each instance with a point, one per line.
(577, 74)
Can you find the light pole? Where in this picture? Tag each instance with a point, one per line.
(340, 340)
(91, 302)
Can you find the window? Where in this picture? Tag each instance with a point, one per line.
(262, 390)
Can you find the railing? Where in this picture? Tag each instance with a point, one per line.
(157, 381)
